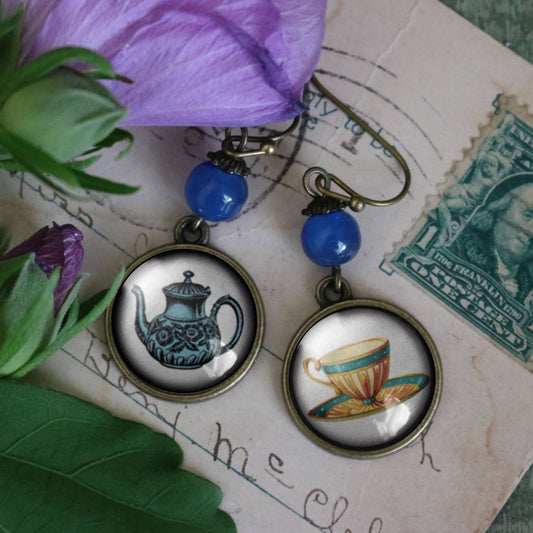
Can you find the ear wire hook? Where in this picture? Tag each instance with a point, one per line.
(323, 181)
(267, 144)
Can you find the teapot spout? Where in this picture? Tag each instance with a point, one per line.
(142, 326)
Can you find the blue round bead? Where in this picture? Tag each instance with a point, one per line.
(214, 194)
(332, 239)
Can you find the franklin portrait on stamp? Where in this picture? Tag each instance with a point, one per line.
(499, 237)
(473, 248)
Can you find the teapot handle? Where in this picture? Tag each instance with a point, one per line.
(228, 300)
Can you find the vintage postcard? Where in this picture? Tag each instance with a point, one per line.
(425, 78)
(473, 249)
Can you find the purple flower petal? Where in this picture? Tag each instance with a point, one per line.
(58, 246)
(194, 62)
(303, 27)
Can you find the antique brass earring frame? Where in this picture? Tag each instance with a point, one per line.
(353, 199)
(267, 144)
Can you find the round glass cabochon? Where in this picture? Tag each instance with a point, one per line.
(362, 378)
(186, 323)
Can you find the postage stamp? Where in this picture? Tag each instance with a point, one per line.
(473, 247)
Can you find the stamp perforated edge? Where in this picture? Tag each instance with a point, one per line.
(501, 104)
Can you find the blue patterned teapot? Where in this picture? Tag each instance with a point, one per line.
(184, 336)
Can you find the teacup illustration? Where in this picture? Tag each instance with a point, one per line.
(359, 370)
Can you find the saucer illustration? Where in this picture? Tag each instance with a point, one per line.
(395, 391)
(359, 375)
(356, 359)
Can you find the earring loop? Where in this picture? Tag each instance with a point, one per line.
(322, 176)
(355, 200)
(267, 143)
(331, 290)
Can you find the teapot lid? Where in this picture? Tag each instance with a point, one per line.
(187, 289)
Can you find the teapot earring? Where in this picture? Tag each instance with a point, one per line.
(159, 332)
(362, 378)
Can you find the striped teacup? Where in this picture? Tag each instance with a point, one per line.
(359, 370)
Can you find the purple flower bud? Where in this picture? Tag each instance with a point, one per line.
(58, 246)
(193, 62)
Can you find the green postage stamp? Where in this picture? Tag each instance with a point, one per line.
(473, 248)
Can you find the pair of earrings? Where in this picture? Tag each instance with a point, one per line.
(337, 373)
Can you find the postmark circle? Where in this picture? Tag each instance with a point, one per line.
(362, 378)
(186, 324)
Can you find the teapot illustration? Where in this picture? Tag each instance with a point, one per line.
(183, 336)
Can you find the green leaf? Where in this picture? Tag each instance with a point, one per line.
(86, 316)
(72, 315)
(8, 267)
(69, 300)
(46, 63)
(5, 239)
(26, 317)
(99, 75)
(66, 465)
(64, 114)
(11, 23)
(9, 43)
(12, 165)
(35, 159)
(4, 154)
(116, 136)
(80, 164)
(40, 164)
(19, 276)
(53, 184)
(94, 183)
(90, 303)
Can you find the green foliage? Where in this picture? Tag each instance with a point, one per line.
(48, 63)
(9, 43)
(26, 313)
(29, 331)
(42, 165)
(66, 465)
(64, 100)
(51, 114)
(5, 239)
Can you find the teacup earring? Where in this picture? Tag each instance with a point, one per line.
(361, 378)
(188, 320)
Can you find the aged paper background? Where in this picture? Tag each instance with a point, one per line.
(428, 78)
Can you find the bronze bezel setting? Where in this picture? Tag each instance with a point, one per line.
(244, 365)
(364, 452)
